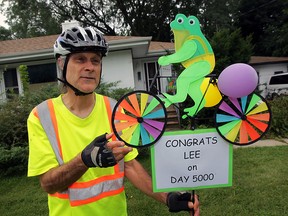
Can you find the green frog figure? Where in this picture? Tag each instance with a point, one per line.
(195, 53)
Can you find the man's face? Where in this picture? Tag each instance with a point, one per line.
(84, 71)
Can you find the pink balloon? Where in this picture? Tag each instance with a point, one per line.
(238, 80)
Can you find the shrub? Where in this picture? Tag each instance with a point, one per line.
(111, 90)
(279, 124)
(13, 128)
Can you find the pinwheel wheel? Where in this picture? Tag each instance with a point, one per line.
(243, 121)
(139, 119)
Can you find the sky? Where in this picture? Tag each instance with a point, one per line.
(2, 19)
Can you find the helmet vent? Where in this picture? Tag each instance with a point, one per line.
(80, 36)
(69, 37)
(99, 39)
(89, 34)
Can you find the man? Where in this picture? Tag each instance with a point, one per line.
(78, 167)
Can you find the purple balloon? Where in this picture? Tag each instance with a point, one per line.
(238, 80)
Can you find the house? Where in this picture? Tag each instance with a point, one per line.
(267, 67)
(131, 60)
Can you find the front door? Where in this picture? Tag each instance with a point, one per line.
(152, 77)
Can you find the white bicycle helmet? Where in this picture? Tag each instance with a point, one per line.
(79, 39)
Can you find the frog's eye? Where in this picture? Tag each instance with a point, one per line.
(191, 21)
(180, 20)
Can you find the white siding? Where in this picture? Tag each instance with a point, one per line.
(117, 66)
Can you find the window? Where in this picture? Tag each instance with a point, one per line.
(10, 80)
(280, 79)
(42, 73)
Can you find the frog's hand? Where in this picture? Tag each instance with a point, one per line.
(184, 53)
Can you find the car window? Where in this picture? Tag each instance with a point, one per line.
(276, 80)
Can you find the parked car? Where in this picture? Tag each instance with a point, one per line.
(277, 85)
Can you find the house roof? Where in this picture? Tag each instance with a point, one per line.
(10, 47)
(142, 46)
(255, 60)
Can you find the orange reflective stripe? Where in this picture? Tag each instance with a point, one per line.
(35, 113)
(117, 169)
(109, 113)
(60, 195)
(93, 199)
(55, 125)
(97, 181)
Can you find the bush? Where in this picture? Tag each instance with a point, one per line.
(13, 128)
(111, 90)
(279, 124)
(13, 161)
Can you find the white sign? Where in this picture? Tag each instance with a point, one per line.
(188, 160)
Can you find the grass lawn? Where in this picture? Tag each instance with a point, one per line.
(260, 187)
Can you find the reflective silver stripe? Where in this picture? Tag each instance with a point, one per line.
(95, 190)
(46, 122)
(121, 165)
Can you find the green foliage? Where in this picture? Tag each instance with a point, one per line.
(24, 75)
(13, 128)
(267, 22)
(279, 125)
(111, 90)
(38, 21)
(13, 161)
(230, 47)
(5, 34)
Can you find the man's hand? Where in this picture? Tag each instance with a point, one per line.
(101, 153)
(177, 202)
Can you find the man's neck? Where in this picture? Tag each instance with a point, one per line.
(80, 106)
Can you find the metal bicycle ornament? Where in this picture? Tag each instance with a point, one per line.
(242, 116)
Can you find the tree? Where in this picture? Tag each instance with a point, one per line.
(5, 34)
(230, 47)
(267, 22)
(216, 15)
(129, 17)
(95, 13)
(147, 17)
(152, 18)
(30, 18)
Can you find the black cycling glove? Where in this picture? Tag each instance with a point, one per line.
(96, 154)
(177, 202)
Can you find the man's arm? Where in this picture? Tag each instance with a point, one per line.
(60, 178)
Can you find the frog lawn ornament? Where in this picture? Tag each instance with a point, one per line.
(195, 53)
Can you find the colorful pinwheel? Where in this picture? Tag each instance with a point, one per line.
(243, 121)
(139, 119)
